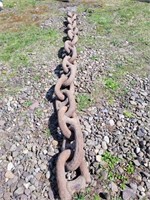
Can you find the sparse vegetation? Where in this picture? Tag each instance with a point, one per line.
(113, 174)
(84, 101)
(27, 103)
(111, 83)
(128, 114)
(12, 43)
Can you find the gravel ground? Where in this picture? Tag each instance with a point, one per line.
(30, 139)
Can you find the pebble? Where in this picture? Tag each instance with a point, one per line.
(19, 191)
(7, 196)
(54, 142)
(141, 189)
(114, 187)
(119, 124)
(137, 150)
(136, 162)
(9, 175)
(98, 158)
(128, 194)
(10, 166)
(26, 185)
(111, 122)
(104, 145)
(48, 174)
(24, 197)
(106, 139)
(13, 147)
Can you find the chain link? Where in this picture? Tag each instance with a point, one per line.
(72, 155)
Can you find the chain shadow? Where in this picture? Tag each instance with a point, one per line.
(55, 133)
(53, 126)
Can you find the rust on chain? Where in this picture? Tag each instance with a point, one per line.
(72, 156)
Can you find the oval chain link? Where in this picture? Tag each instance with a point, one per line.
(72, 155)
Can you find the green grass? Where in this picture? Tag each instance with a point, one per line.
(111, 160)
(39, 112)
(20, 4)
(47, 132)
(15, 47)
(79, 197)
(112, 168)
(122, 22)
(111, 83)
(27, 103)
(128, 114)
(130, 168)
(83, 101)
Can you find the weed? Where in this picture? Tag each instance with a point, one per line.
(130, 168)
(79, 197)
(27, 103)
(97, 197)
(21, 5)
(111, 83)
(110, 159)
(84, 101)
(38, 113)
(47, 132)
(37, 77)
(128, 114)
(96, 58)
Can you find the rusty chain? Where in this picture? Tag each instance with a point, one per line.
(72, 155)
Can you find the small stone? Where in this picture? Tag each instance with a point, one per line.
(148, 185)
(101, 152)
(2, 123)
(43, 166)
(96, 151)
(24, 197)
(10, 158)
(140, 132)
(7, 196)
(119, 124)
(111, 122)
(128, 194)
(19, 191)
(48, 174)
(15, 154)
(104, 145)
(104, 175)
(27, 191)
(13, 147)
(32, 188)
(54, 142)
(141, 189)
(45, 151)
(9, 175)
(51, 195)
(137, 150)
(25, 151)
(26, 185)
(10, 166)
(133, 186)
(133, 103)
(136, 162)
(98, 158)
(106, 139)
(114, 188)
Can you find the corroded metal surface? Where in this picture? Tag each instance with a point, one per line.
(72, 156)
